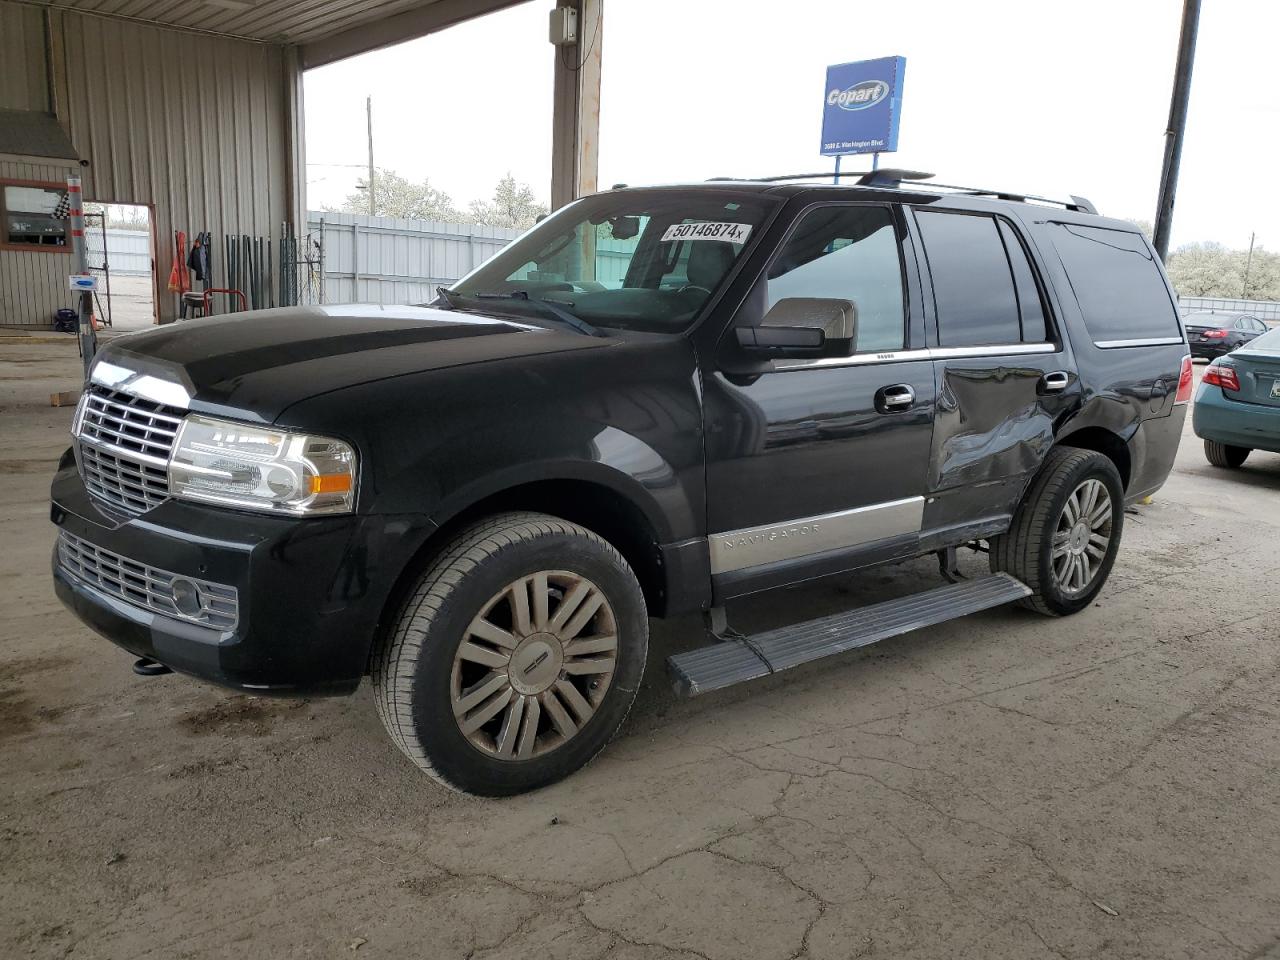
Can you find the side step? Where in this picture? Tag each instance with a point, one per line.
(736, 661)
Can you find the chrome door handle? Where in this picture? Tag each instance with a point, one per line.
(1055, 382)
(899, 396)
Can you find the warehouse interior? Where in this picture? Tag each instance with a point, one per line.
(194, 111)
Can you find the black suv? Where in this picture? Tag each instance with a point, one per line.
(654, 402)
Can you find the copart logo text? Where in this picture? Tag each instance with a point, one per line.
(860, 96)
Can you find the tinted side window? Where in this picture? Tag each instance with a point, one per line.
(1030, 303)
(1117, 283)
(847, 253)
(972, 282)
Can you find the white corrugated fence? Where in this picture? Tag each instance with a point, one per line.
(389, 260)
(1267, 311)
(127, 251)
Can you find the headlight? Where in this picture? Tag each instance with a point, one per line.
(261, 468)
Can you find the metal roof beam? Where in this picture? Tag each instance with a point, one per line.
(430, 17)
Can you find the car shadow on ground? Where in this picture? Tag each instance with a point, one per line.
(1261, 470)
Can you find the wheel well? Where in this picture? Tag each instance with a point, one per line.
(1103, 441)
(590, 505)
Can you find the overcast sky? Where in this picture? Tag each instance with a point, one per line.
(1050, 98)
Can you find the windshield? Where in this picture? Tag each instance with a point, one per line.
(636, 259)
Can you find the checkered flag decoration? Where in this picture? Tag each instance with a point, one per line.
(63, 209)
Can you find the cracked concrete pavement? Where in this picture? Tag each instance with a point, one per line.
(1004, 786)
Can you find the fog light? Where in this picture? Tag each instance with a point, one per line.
(186, 596)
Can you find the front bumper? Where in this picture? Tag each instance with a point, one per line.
(1233, 422)
(310, 591)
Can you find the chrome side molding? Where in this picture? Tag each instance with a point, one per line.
(792, 539)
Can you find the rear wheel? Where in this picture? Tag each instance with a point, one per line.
(1225, 455)
(516, 658)
(1065, 534)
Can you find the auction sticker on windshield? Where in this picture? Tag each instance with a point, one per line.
(729, 232)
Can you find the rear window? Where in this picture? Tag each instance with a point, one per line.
(1117, 283)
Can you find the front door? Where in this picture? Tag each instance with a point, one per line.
(818, 465)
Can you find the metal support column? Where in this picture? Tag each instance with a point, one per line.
(80, 263)
(575, 142)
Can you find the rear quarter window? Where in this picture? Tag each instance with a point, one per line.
(1117, 282)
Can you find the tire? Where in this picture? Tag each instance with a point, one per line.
(441, 667)
(1225, 455)
(1032, 549)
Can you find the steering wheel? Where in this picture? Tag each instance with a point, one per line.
(693, 286)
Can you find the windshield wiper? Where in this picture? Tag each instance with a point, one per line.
(555, 310)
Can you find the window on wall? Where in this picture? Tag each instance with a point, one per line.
(983, 285)
(847, 253)
(34, 215)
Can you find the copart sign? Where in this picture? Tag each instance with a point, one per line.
(861, 106)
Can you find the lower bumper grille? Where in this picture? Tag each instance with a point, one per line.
(182, 598)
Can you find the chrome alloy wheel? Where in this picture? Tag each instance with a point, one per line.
(1082, 537)
(534, 665)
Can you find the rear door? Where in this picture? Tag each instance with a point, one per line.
(1251, 328)
(1004, 375)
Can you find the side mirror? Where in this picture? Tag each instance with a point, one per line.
(803, 327)
(782, 341)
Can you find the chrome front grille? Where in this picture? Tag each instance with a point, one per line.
(208, 604)
(124, 448)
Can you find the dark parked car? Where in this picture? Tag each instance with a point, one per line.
(656, 401)
(1237, 408)
(1214, 334)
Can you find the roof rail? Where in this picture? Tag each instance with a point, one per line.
(890, 178)
(781, 178)
(894, 179)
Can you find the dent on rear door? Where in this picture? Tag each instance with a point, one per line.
(992, 424)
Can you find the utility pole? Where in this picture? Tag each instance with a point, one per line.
(1177, 125)
(368, 109)
(1248, 266)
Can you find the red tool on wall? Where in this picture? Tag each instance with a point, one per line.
(179, 282)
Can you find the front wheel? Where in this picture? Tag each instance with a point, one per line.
(516, 658)
(1225, 455)
(1065, 534)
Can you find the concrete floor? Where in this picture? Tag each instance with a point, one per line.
(1005, 786)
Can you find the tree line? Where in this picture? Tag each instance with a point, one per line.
(1209, 269)
(512, 204)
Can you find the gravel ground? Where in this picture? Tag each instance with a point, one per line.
(1003, 786)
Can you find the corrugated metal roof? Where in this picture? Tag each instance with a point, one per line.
(29, 134)
(271, 21)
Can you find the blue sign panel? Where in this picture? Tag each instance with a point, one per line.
(861, 106)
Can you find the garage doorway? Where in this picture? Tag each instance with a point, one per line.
(119, 239)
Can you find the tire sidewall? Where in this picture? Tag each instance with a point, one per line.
(449, 752)
(1095, 467)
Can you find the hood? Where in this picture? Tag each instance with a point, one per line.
(255, 365)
